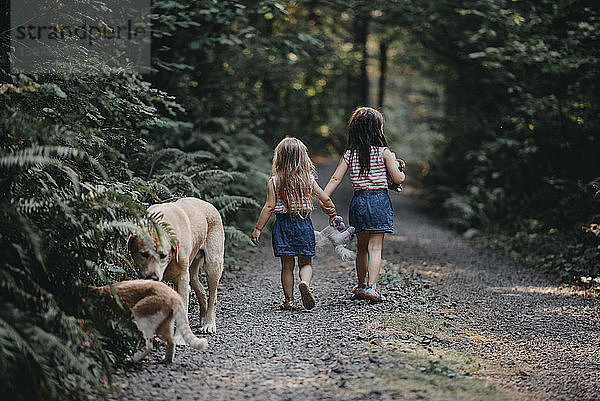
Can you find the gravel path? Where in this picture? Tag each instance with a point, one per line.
(461, 323)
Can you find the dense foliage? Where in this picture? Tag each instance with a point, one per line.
(79, 166)
(81, 156)
(267, 68)
(521, 121)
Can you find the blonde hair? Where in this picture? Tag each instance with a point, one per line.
(293, 172)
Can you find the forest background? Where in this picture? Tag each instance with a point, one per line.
(496, 102)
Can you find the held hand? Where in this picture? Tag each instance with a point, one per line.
(401, 163)
(255, 236)
(327, 210)
(331, 218)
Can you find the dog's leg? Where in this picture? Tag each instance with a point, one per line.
(146, 326)
(141, 354)
(209, 322)
(214, 269)
(165, 333)
(183, 288)
(196, 284)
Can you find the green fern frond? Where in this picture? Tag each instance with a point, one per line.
(128, 227)
(12, 336)
(155, 222)
(13, 281)
(14, 346)
(228, 204)
(223, 176)
(235, 236)
(177, 180)
(69, 359)
(176, 156)
(32, 206)
(41, 155)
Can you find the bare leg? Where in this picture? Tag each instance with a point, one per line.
(287, 277)
(305, 268)
(308, 299)
(362, 256)
(374, 248)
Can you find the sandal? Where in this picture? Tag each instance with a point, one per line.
(288, 305)
(373, 294)
(308, 299)
(358, 290)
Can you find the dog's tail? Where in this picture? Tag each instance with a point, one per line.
(183, 324)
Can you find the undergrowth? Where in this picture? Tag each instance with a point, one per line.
(573, 256)
(76, 179)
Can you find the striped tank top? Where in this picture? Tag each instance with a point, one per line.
(376, 178)
(306, 203)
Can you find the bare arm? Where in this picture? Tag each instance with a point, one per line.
(265, 213)
(336, 178)
(391, 164)
(325, 202)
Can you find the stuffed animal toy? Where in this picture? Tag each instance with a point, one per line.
(337, 236)
(391, 184)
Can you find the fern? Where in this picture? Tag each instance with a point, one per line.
(48, 155)
(52, 246)
(175, 156)
(228, 204)
(76, 178)
(236, 236)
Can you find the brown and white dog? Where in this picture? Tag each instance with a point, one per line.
(201, 240)
(154, 306)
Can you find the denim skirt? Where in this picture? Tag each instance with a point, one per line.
(371, 210)
(293, 235)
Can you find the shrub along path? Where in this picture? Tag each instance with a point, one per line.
(461, 323)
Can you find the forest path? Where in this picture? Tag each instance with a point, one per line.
(460, 323)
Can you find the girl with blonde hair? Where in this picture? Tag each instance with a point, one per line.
(289, 196)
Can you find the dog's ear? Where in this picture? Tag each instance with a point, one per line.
(130, 243)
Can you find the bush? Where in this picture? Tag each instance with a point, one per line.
(520, 123)
(79, 169)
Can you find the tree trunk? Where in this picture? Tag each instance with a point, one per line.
(269, 95)
(361, 36)
(383, 47)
